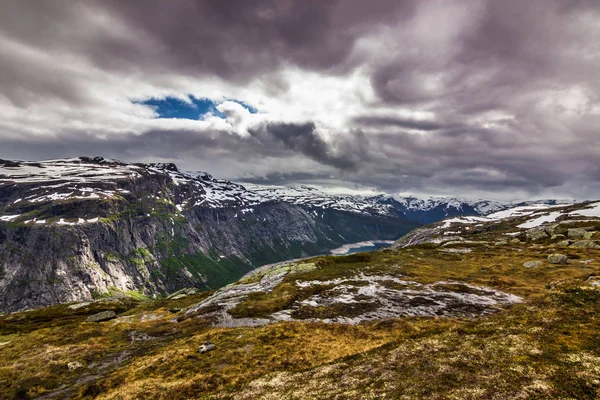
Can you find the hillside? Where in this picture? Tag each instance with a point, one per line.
(502, 307)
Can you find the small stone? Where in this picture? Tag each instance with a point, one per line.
(557, 259)
(564, 243)
(501, 243)
(179, 296)
(514, 241)
(73, 365)
(532, 264)
(101, 316)
(206, 347)
(557, 236)
(174, 310)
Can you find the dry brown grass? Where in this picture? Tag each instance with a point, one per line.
(547, 347)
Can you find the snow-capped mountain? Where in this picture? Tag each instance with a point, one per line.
(75, 227)
(83, 178)
(70, 228)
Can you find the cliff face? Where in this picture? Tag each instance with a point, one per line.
(77, 229)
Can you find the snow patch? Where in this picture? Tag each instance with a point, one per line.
(543, 219)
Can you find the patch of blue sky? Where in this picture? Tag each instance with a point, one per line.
(194, 109)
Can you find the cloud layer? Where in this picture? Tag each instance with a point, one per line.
(496, 99)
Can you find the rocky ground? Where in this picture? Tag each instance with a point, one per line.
(506, 309)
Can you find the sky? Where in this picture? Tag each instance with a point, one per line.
(495, 99)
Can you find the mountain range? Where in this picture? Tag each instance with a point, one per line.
(81, 228)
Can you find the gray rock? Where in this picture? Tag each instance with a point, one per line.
(579, 233)
(536, 234)
(550, 229)
(586, 244)
(514, 241)
(73, 365)
(206, 347)
(79, 305)
(557, 236)
(532, 264)
(564, 243)
(101, 316)
(557, 259)
(177, 297)
(593, 281)
(501, 243)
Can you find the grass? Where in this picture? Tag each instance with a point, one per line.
(546, 347)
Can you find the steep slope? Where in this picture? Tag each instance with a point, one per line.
(505, 309)
(80, 228)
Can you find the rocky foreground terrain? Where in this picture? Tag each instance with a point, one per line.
(504, 306)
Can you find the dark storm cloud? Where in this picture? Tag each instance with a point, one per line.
(303, 138)
(465, 96)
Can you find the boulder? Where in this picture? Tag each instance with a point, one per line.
(586, 244)
(557, 259)
(557, 236)
(564, 243)
(536, 234)
(206, 347)
(73, 365)
(514, 241)
(532, 264)
(579, 233)
(101, 316)
(550, 229)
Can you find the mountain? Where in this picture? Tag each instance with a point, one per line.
(423, 210)
(76, 229)
(503, 306)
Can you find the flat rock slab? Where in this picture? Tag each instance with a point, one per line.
(101, 316)
(532, 264)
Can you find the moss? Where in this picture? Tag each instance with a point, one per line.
(137, 295)
(347, 310)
